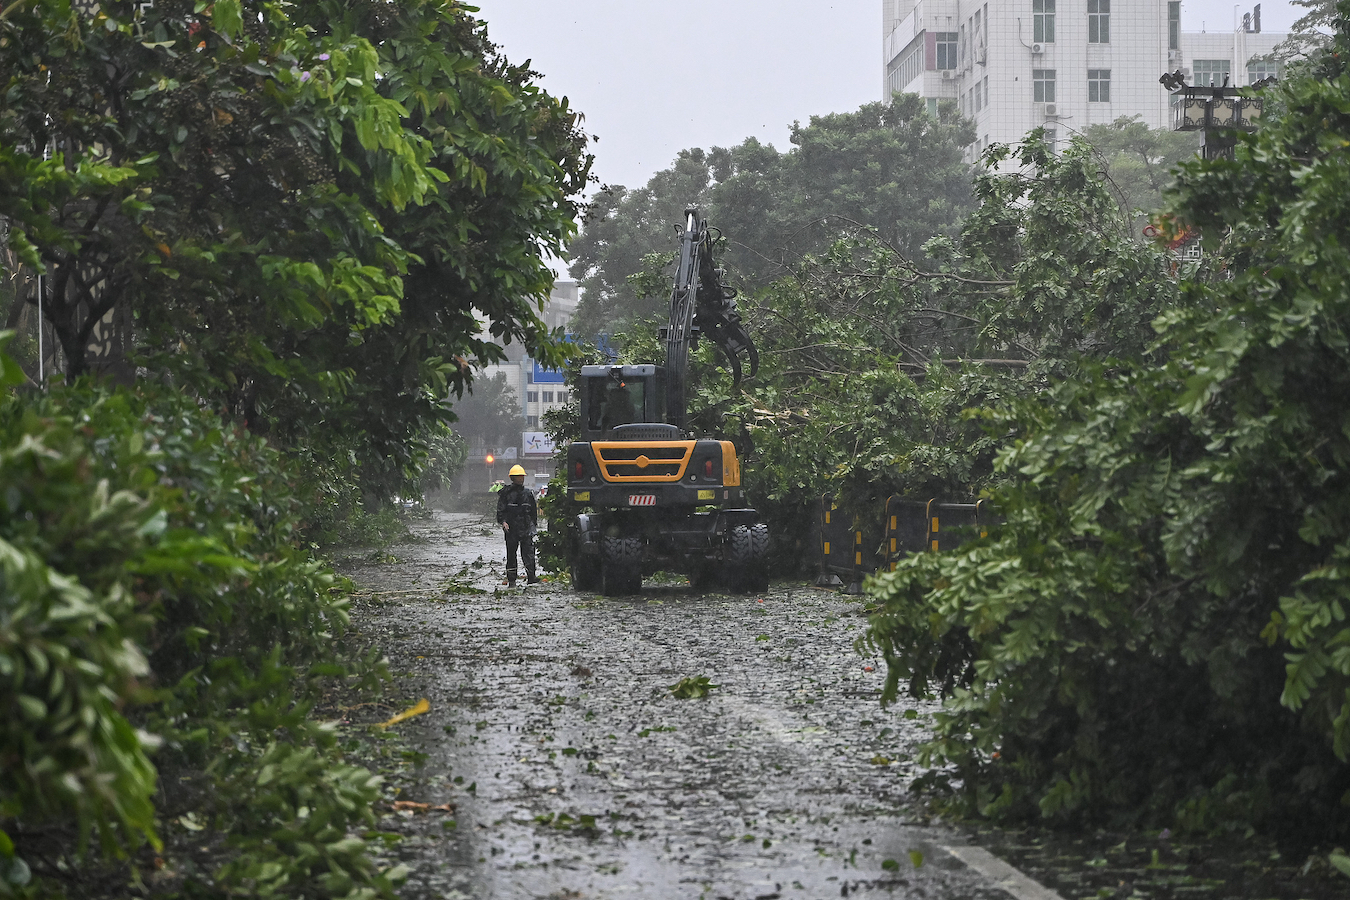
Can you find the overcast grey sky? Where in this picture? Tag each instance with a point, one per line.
(653, 78)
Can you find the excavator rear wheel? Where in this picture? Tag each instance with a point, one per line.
(748, 558)
(621, 565)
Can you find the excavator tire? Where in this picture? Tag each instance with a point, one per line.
(585, 573)
(704, 575)
(748, 558)
(620, 565)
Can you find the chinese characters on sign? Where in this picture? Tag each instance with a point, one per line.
(536, 443)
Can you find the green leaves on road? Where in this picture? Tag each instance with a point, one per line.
(692, 688)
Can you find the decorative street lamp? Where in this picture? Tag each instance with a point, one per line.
(1218, 113)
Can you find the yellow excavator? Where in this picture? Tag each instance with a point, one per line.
(658, 498)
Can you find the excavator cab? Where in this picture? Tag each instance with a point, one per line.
(617, 396)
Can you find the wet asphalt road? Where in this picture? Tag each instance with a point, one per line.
(573, 772)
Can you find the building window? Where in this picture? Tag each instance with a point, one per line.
(975, 96)
(932, 106)
(1099, 21)
(946, 49)
(1210, 72)
(986, 91)
(1051, 136)
(531, 421)
(531, 396)
(562, 396)
(1043, 85)
(906, 68)
(1262, 68)
(1043, 21)
(548, 396)
(1174, 25)
(1099, 85)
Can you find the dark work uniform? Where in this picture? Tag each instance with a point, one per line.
(516, 508)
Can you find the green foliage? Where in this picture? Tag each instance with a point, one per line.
(446, 454)
(490, 413)
(869, 360)
(303, 211)
(154, 592)
(888, 167)
(554, 543)
(1139, 162)
(67, 663)
(1157, 632)
(1310, 35)
(620, 229)
(692, 687)
(563, 424)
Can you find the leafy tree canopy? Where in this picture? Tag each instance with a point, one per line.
(1139, 161)
(491, 413)
(1311, 32)
(303, 209)
(622, 227)
(887, 166)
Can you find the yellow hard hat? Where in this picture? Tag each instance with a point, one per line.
(517, 470)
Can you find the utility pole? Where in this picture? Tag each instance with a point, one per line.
(42, 361)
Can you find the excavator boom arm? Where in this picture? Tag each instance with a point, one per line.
(701, 304)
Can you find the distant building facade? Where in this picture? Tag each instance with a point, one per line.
(536, 390)
(1015, 65)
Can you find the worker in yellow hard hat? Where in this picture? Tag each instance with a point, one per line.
(518, 515)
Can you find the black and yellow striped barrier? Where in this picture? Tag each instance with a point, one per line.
(907, 526)
(845, 556)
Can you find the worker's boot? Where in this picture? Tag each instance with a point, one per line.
(527, 552)
(510, 577)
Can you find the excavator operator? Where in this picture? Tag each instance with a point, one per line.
(619, 408)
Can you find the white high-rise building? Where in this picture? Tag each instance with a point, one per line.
(1014, 65)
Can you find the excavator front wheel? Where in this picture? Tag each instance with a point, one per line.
(585, 573)
(621, 565)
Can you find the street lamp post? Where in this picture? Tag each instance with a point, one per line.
(1218, 113)
(488, 461)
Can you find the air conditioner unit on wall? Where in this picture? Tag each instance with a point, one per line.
(1038, 48)
(948, 74)
(1051, 110)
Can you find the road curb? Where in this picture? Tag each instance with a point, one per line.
(1004, 876)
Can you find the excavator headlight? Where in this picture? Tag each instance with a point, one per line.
(708, 468)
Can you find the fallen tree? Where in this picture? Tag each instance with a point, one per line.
(1156, 634)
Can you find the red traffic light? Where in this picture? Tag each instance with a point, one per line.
(489, 459)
